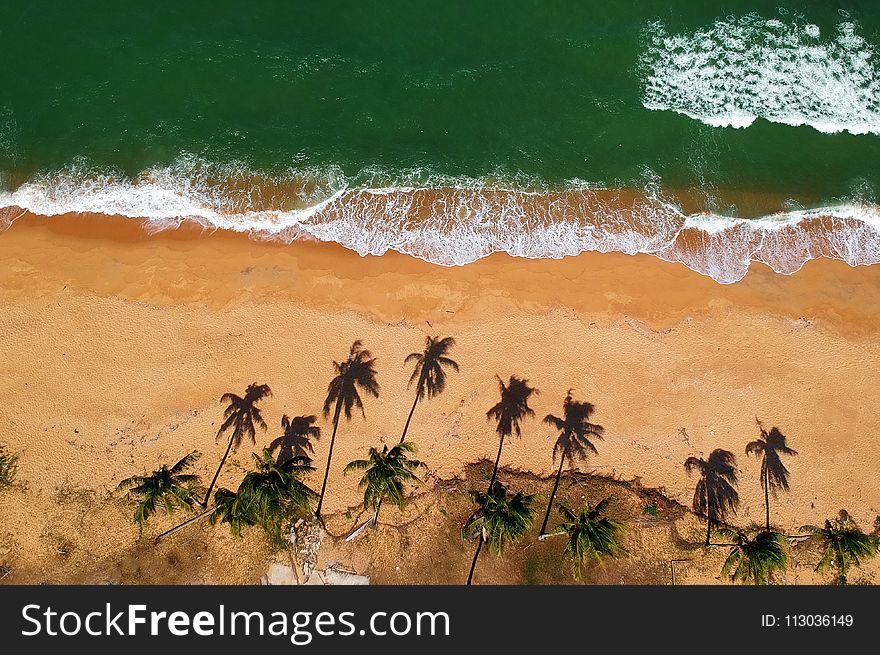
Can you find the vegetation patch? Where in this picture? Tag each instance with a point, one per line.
(8, 467)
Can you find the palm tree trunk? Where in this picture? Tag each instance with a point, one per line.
(708, 529)
(767, 497)
(197, 517)
(474, 563)
(497, 459)
(376, 515)
(329, 458)
(409, 418)
(204, 504)
(552, 495)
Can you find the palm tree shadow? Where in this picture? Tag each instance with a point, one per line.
(715, 496)
(774, 475)
(296, 440)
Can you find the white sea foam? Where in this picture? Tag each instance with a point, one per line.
(459, 220)
(743, 68)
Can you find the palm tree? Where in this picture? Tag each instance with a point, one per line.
(715, 496)
(228, 510)
(754, 559)
(268, 496)
(575, 431)
(499, 519)
(387, 471)
(843, 545)
(774, 475)
(590, 535)
(296, 440)
(429, 374)
(241, 416)
(170, 488)
(509, 411)
(358, 371)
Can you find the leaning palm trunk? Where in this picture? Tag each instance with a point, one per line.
(371, 522)
(177, 528)
(204, 504)
(329, 458)
(552, 496)
(474, 563)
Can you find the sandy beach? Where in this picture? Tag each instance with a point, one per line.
(117, 346)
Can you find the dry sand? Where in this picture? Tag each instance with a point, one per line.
(117, 345)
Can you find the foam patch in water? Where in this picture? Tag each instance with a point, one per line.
(744, 68)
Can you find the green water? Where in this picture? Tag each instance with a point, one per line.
(551, 90)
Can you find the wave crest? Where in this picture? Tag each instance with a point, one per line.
(462, 220)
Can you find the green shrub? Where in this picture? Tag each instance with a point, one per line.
(8, 467)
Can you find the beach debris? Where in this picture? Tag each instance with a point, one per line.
(335, 573)
(280, 574)
(358, 531)
(307, 536)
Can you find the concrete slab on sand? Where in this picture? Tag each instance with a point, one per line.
(334, 574)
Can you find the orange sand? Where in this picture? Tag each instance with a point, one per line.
(117, 345)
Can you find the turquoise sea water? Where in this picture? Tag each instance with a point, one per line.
(452, 129)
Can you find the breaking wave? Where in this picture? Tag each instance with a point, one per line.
(455, 221)
(748, 67)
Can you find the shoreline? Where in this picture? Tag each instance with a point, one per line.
(458, 225)
(119, 344)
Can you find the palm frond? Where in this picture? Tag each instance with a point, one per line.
(591, 535)
(386, 472)
(185, 462)
(843, 545)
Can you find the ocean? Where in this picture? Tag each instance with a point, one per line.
(715, 136)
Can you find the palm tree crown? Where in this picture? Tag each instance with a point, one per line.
(268, 496)
(715, 496)
(169, 488)
(429, 373)
(591, 535)
(358, 371)
(754, 559)
(500, 518)
(843, 545)
(386, 473)
(297, 438)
